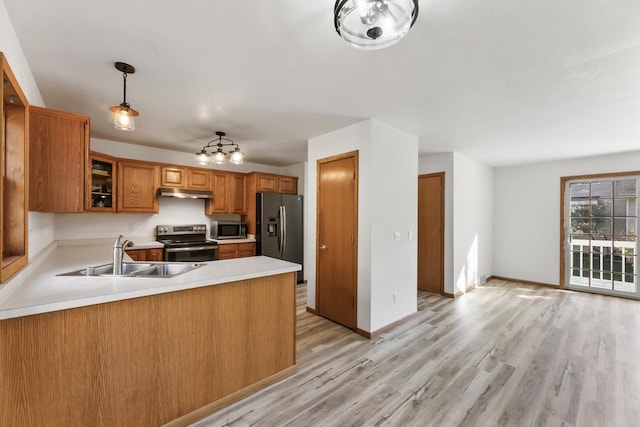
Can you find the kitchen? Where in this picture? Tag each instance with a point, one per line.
(466, 86)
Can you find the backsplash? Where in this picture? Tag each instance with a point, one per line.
(108, 225)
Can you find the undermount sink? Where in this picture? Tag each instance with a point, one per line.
(138, 269)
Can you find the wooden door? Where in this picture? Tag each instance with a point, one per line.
(337, 250)
(431, 232)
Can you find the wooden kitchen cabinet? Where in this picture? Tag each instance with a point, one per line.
(259, 182)
(236, 250)
(14, 168)
(185, 177)
(137, 185)
(154, 254)
(100, 188)
(57, 157)
(228, 193)
(236, 193)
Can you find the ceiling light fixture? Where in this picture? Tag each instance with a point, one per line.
(374, 24)
(123, 113)
(219, 157)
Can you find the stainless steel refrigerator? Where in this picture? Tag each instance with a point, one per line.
(279, 227)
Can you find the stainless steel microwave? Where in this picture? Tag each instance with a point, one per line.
(221, 230)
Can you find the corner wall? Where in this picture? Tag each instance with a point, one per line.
(387, 202)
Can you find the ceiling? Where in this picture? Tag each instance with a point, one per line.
(503, 81)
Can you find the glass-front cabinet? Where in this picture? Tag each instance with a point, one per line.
(101, 188)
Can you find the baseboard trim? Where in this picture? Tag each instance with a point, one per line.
(524, 282)
(312, 311)
(209, 409)
(460, 293)
(389, 327)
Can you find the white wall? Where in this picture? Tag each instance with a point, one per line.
(394, 208)
(527, 213)
(433, 163)
(472, 222)
(41, 227)
(387, 202)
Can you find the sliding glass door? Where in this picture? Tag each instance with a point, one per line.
(601, 248)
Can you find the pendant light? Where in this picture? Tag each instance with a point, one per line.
(374, 24)
(123, 113)
(219, 157)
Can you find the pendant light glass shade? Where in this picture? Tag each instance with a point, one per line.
(219, 157)
(374, 24)
(123, 118)
(203, 158)
(236, 157)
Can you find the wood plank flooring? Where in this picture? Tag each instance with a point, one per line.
(503, 355)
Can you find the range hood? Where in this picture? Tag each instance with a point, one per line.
(185, 193)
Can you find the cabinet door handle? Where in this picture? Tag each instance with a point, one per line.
(323, 248)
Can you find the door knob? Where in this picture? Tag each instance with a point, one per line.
(323, 247)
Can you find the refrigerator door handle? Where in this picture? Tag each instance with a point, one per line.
(280, 231)
(284, 228)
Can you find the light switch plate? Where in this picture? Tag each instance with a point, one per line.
(396, 235)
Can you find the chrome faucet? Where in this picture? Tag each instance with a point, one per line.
(118, 252)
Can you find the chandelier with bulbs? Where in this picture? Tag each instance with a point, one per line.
(374, 24)
(219, 157)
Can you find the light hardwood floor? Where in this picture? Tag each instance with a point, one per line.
(503, 355)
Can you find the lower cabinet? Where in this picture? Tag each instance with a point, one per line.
(236, 250)
(154, 254)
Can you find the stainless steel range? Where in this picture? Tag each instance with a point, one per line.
(186, 243)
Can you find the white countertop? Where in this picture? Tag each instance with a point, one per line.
(42, 291)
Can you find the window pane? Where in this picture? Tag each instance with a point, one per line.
(601, 190)
(579, 190)
(624, 207)
(602, 207)
(625, 188)
(579, 208)
(580, 225)
(600, 227)
(624, 227)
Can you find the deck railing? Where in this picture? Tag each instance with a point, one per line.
(604, 264)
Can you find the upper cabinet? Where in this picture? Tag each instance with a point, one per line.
(137, 185)
(259, 182)
(228, 193)
(100, 180)
(185, 177)
(58, 144)
(270, 183)
(14, 190)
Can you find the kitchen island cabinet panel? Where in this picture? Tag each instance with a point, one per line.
(58, 153)
(138, 183)
(150, 360)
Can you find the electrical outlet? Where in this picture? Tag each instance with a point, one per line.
(395, 297)
(483, 280)
(396, 236)
(132, 226)
(409, 235)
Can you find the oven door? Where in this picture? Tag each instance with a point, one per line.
(191, 254)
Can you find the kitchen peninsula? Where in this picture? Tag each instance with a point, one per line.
(141, 351)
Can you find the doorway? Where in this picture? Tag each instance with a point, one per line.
(337, 238)
(431, 232)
